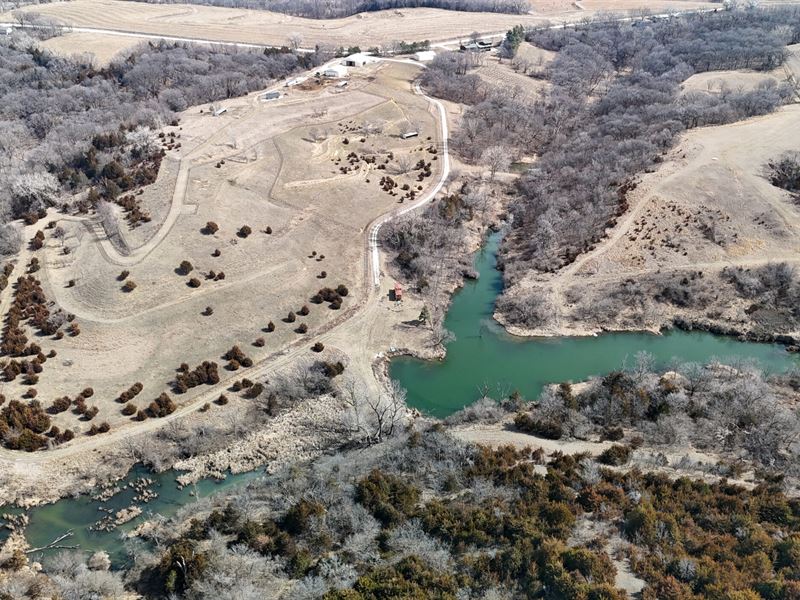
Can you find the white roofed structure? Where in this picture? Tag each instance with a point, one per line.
(335, 72)
(425, 55)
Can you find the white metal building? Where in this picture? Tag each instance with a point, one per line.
(358, 60)
(425, 55)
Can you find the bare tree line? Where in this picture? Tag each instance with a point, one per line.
(317, 9)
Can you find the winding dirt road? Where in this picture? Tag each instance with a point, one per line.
(271, 364)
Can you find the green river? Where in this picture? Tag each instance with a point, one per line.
(485, 359)
(482, 359)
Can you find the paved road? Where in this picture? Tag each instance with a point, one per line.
(442, 45)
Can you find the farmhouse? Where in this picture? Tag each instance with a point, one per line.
(479, 46)
(335, 72)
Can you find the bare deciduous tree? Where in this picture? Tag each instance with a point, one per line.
(295, 40)
(10, 239)
(497, 158)
(373, 417)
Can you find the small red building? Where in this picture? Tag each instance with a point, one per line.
(398, 292)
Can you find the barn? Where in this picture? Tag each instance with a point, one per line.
(358, 60)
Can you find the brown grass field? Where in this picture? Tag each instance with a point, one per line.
(710, 205)
(365, 29)
(274, 175)
(103, 47)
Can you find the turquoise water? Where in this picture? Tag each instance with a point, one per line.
(485, 359)
(482, 359)
(79, 514)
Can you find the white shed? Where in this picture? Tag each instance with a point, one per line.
(335, 72)
(425, 55)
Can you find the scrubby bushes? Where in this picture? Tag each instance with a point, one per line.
(161, 406)
(690, 406)
(785, 172)
(547, 429)
(333, 296)
(130, 393)
(237, 358)
(185, 267)
(205, 373)
(210, 228)
(615, 455)
(60, 405)
(21, 425)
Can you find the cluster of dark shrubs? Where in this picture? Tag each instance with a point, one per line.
(615, 455)
(37, 241)
(130, 393)
(547, 429)
(29, 303)
(333, 296)
(204, 373)
(22, 425)
(161, 406)
(251, 389)
(5, 273)
(104, 427)
(143, 174)
(237, 358)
